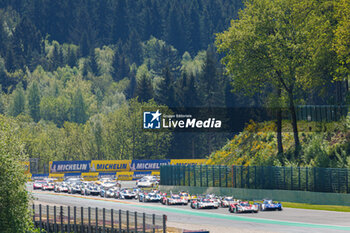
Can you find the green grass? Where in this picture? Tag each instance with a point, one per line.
(316, 207)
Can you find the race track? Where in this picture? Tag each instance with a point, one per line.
(220, 220)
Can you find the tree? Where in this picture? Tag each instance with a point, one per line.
(78, 111)
(341, 42)
(144, 88)
(93, 64)
(267, 46)
(130, 91)
(71, 58)
(17, 104)
(15, 215)
(165, 93)
(34, 101)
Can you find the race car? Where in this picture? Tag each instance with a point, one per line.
(184, 196)
(163, 198)
(147, 182)
(75, 187)
(48, 186)
(244, 207)
(38, 184)
(227, 201)
(176, 200)
(126, 194)
(149, 197)
(61, 187)
(270, 205)
(204, 203)
(108, 192)
(91, 189)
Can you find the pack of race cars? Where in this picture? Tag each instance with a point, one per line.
(109, 188)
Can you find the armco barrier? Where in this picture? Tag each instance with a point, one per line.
(316, 198)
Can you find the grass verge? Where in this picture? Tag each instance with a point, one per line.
(316, 207)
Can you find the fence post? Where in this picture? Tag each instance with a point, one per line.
(189, 175)
(241, 176)
(247, 178)
(136, 218)
(40, 220)
(307, 178)
(207, 175)
(164, 223)
(89, 219)
(104, 220)
(194, 176)
(255, 177)
(112, 221)
(226, 175)
(127, 221)
(284, 177)
(338, 174)
(299, 188)
(96, 218)
(54, 219)
(68, 219)
(184, 174)
(347, 181)
(75, 218)
(82, 218)
(314, 171)
(47, 218)
(234, 176)
(220, 176)
(61, 216)
(201, 175)
(291, 178)
(120, 221)
(213, 169)
(153, 222)
(144, 222)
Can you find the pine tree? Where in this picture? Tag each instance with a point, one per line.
(84, 46)
(144, 89)
(78, 111)
(71, 58)
(130, 91)
(34, 101)
(165, 93)
(191, 94)
(94, 65)
(17, 104)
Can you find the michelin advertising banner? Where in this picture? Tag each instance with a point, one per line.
(187, 161)
(106, 166)
(111, 175)
(110, 165)
(148, 165)
(70, 166)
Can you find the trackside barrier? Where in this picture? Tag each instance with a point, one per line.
(90, 220)
(332, 180)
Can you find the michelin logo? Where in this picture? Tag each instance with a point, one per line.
(151, 120)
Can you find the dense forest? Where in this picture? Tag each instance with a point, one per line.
(75, 75)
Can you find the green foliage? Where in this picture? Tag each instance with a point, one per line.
(34, 101)
(256, 145)
(17, 104)
(14, 199)
(78, 108)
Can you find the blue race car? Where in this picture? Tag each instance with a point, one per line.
(149, 197)
(270, 205)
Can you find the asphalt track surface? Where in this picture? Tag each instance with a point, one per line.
(220, 220)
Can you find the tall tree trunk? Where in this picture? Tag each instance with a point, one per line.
(279, 125)
(294, 123)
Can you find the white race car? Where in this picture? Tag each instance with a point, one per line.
(176, 200)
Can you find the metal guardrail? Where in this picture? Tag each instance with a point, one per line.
(334, 180)
(90, 220)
